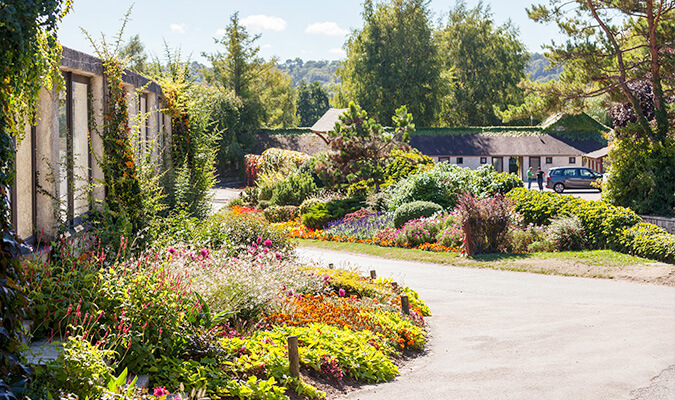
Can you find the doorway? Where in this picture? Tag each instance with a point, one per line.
(514, 165)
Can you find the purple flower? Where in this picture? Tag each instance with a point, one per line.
(160, 391)
(268, 243)
(341, 293)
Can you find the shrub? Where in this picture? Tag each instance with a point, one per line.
(540, 246)
(415, 209)
(293, 190)
(567, 233)
(242, 229)
(320, 214)
(401, 164)
(280, 160)
(519, 240)
(442, 183)
(309, 202)
(417, 231)
(280, 213)
(650, 241)
(485, 222)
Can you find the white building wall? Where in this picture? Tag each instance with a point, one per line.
(24, 185)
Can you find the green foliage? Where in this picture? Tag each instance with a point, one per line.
(31, 57)
(605, 225)
(649, 241)
(641, 175)
(393, 61)
(567, 233)
(321, 71)
(293, 190)
(487, 62)
(81, 368)
(318, 215)
(400, 164)
(353, 283)
(413, 210)
(442, 183)
(360, 146)
(531, 239)
(312, 102)
(539, 69)
(281, 213)
(134, 55)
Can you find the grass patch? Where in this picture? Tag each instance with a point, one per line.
(605, 258)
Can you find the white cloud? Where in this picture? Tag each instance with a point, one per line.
(221, 32)
(338, 51)
(264, 23)
(266, 46)
(326, 28)
(180, 28)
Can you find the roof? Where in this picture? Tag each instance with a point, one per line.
(327, 122)
(581, 122)
(305, 143)
(598, 153)
(496, 145)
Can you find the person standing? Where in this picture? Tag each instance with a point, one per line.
(540, 179)
(530, 177)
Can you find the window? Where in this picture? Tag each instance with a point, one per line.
(460, 160)
(483, 160)
(441, 159)
(586, 173)
(74, 156)
(549, 160)
(573, 160)
(555, 172)
(498, 163)
(570, 172)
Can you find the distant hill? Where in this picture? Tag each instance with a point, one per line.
(537, 69)
(322, 71)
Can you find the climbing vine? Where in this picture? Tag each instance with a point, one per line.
(30, 57)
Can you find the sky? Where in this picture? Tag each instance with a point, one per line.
(311, 30)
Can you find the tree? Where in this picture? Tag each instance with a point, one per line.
(312, 102)
(393, 61)
(487, 62)
(134, 55)
(277, 97)
(361, 146)
(625, 50)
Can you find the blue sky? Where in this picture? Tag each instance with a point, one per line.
(311, 30)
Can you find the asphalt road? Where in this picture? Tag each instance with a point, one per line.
(509, 335)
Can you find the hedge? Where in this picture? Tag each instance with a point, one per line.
(607, 226)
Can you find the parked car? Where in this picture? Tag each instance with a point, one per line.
(561, 178)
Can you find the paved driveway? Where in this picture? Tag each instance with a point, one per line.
(510, 335)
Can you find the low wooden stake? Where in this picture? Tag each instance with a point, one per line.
(405, 306)
(373, 274)
(293, 356)
(394, 286)
(331, 266)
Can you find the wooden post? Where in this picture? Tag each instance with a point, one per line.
(394, 286)
(405, 306)
(293, 356)
(373, 274)
(331, 266)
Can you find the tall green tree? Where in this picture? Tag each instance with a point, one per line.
(487, 61)
(312, 102)
(277, 96)
(133, 52)
(624, 50)
(393, 61)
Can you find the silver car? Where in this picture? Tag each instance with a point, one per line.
(561, 178)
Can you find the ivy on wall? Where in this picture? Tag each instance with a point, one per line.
(30, 57)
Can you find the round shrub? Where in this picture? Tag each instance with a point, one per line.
(280, 213)
(293, 190)
(414, 210)
(567, 233)
(307, 203)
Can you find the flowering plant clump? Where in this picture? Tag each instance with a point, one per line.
(364, 225)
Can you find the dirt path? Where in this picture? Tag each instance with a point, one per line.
(508, 335)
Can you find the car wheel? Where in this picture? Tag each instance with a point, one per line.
(559, 187)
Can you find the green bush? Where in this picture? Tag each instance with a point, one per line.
(415, 209)
(293, 190)
(602, 222)
(280, 213)
(320, 214)
(567, 233)
(444, 182)
(650, 241)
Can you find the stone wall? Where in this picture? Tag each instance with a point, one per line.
(666, 223)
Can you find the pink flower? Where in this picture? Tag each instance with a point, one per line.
(171, 250)
(326, 278)
(283, 287)
(341, 293)
(160, 391)
(268, 243)
(204, 253)
(259, 240)
(277, 255)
